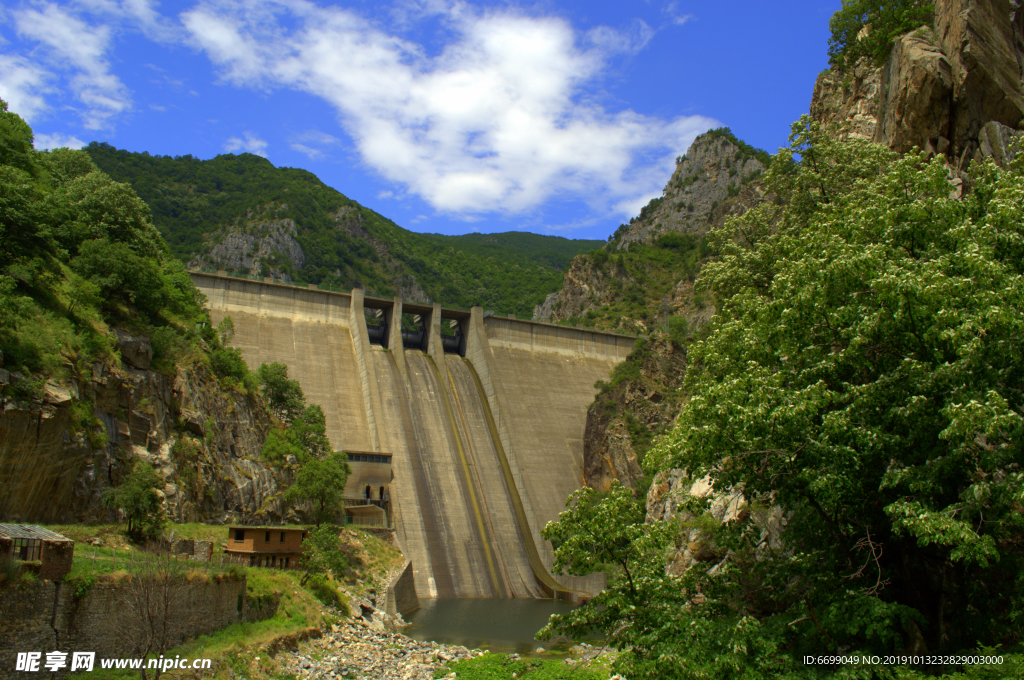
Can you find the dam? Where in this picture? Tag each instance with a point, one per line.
(482, 417)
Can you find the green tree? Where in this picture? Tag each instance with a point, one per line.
(323, 554)
(122, 275)
(885, 22)
(138, 499)
(284, 396)
(322, 482)
(863, 373)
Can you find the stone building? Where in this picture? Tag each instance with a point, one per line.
(30, 543)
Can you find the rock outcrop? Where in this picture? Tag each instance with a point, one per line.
(941, 85)
(256, 250)
(666, 498)
(622, 420)
(59, 452)
(849, 100)
(714, 170)
(715, 180)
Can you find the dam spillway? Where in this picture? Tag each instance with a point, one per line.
(486, 442)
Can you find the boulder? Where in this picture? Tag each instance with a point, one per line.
(982, 39)
(916, 86)
(135, 351)
(996, 141)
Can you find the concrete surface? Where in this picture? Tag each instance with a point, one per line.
(485, 449)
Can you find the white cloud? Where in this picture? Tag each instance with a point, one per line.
(21, 83)
(500, 120)
(677, 17)
(79, 48)
(251, 144)
(311, 143)
(56, 141)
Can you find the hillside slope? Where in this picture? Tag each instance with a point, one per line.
(645, 273)
(243, 214)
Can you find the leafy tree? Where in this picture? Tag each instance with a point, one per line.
(321, 481)
(16, 140)
(607, 532)
(885, 21)
(121, 274)
(863, 373)
(323, 554)
(284, 396)
(138, 499)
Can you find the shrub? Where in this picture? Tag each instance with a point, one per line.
(886, 22)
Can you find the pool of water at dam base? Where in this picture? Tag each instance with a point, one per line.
(499, 626)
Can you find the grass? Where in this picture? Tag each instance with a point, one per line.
(234, 649)
(502, 667)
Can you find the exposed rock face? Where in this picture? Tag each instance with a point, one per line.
(940, 86)
(712, 171)
(850, 100)
(252, 250)
(60, 453)
(649, 402)
(984, 40)
(914, 101)
(669, 491)
(714, 181)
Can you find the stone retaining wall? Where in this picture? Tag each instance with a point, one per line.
(46, 617)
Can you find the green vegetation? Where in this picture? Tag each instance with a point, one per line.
(642, 278)
(502, 667)
(322, 482)
(885, 21)
(138, 499)
(862, 375)
(745, 150)
(79, 255)
(302, 438)
(194, 201)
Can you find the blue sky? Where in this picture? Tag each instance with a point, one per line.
(558, 117)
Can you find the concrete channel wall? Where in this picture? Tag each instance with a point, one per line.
(485, 448)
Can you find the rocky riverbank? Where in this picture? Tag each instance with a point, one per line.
(353, 649)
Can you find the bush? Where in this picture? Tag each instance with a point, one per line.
(678, 330)
(324, 591)
(886, 22)
(227, 362)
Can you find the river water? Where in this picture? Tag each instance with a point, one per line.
(500, 626)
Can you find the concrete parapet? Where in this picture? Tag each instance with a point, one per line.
(401, 596)
(229, 295)
(532, 336)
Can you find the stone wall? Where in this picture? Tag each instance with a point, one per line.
(47, 616)
(56, 557)
(401, 596)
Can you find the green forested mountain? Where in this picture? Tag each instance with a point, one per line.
(242, 214)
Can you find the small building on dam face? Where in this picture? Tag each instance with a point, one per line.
(368, 489)
(481, 420)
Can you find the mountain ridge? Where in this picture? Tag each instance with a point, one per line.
(245, 215)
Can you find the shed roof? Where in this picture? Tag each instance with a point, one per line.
(30, 531)
(232, 527)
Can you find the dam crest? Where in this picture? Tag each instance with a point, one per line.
(482, 417)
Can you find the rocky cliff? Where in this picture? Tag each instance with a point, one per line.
(715, 180)
(948, 88)
(640, 402)
(955, 87)
(60, 452)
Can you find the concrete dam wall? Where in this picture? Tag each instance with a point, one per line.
(484, 430)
